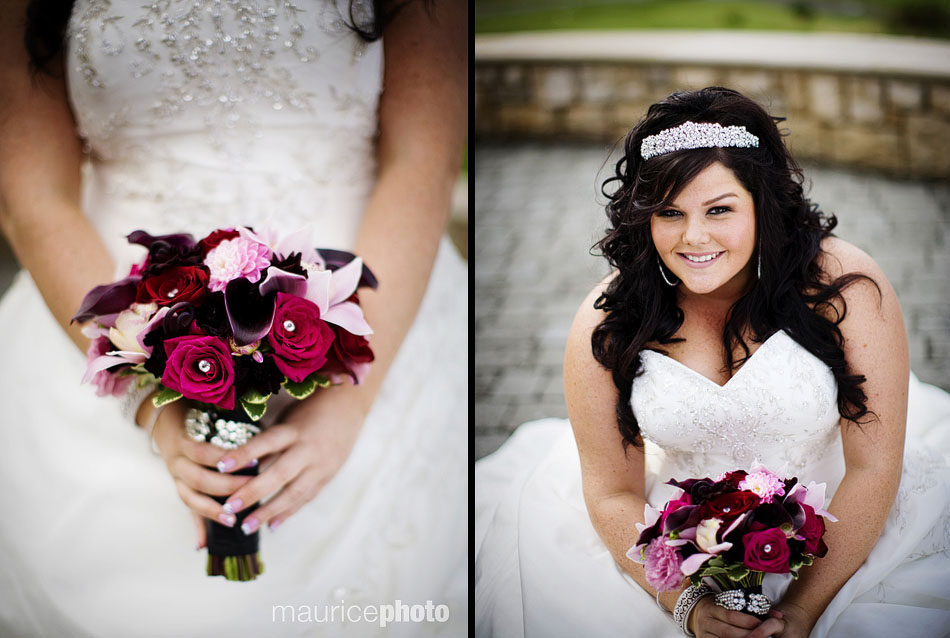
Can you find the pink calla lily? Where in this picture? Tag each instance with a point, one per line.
(110, 360)
(692, 564)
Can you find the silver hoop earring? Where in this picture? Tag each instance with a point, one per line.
(663, 273)
(759, 271)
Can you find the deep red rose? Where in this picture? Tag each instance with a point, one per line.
(299, 336)
(766, 551)
(728, 506)
(200, 367)
(813, 530)
(211, 241)
(350, 354)
(734, 478)
(180, 283)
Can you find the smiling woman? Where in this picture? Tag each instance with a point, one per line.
(734, 329)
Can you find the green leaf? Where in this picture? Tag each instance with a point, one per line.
(165, 396)
(322, 381)
(737, 571)
(254, 410)
(253, 396)
(301, 390)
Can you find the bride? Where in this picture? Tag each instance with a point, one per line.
(734, 328)
(174, 116)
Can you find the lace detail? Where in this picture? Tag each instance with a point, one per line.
(207, 64)
(758, 415)
(200, 114)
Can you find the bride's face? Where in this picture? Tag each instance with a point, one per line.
(707, 236)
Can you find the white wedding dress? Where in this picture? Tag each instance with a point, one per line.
(542, 570)
(200, 115)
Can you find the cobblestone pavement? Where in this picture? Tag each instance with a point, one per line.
(537, 211)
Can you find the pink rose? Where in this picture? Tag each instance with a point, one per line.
(663, 565)
(299, 337)
(200, 367)
(766, 551)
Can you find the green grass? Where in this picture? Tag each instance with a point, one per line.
(498, 16)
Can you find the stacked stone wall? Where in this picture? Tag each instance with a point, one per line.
(895, 123)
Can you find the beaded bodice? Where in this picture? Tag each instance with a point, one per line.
(780, 409)
(205, 113)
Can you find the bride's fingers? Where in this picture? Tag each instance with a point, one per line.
(769, 627)
(284, 470)
(203, 505)
(205, 480)
(270, 441)
(294, 496)
(201, 533)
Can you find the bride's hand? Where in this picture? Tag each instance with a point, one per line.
(708, 620)
(193, 469)
(787, 622)
(310, 446)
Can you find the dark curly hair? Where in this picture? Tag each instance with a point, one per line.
(792, 294)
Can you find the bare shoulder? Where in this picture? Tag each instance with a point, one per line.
(587, 317)
(839, 257)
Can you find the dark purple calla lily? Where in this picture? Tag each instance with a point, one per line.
(142, 238)
(684, 517)
(338, 258)
(109, 299)
(277, 280)
(249, 312)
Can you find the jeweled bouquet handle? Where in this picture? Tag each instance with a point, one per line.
(226, 323)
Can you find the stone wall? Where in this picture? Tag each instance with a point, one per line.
(895, 120)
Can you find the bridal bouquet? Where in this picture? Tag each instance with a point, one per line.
(734, 529)
(226, 323)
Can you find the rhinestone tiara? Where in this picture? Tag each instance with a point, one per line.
(692, 135)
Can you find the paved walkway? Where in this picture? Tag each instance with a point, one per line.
(537, 212)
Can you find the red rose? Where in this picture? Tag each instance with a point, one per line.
(211, 241)
(200, 367)
(728, 506)
(350, 354)
(812, 531)
(766, 551)
(734, 478)
(299, 336)
(180, 283)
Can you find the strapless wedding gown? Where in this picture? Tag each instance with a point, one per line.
(201, 115)
(542, 570)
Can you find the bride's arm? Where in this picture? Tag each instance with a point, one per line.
(875, 344)
(422, 125)
(40, 157)
(614, 480)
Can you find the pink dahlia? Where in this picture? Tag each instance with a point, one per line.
(663, 565)
(763, 483)
(235, 258)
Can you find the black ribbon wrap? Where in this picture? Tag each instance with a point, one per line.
(232, 553)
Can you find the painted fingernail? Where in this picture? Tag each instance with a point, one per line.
(234, 505)
(251, 463)
(226, 520)
(250, 525)
(273, 524)
(225, 465)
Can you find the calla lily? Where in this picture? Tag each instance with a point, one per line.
(338, 258)
(694, 562)
(815, 497)
(329, 290)
(110, 360)
(109, 299)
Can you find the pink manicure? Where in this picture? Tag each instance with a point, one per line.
(251, 463)
(273, 524)
(234, 505)
(226, 520)
(225, 465)
(250, 525)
